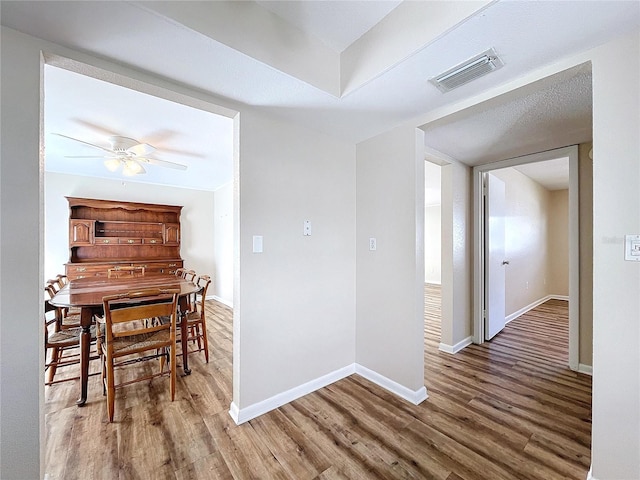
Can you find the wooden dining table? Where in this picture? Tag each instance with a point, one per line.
(86, 294)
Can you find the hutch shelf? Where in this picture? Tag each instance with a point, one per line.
(107, 234)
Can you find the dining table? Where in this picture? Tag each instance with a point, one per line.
(87, 293)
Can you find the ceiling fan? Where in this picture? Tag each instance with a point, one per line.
(126, 152)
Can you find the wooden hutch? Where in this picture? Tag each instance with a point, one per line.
(107, 234)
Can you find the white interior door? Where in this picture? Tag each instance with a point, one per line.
(495, 261)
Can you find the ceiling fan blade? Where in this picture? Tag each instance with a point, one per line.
(141, 149)
(82, 141)
(162, 163)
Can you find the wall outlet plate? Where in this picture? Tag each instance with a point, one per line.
(632, 248)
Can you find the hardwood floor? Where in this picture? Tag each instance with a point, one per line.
(508, 409)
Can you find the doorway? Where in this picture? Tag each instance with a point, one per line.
(219, 203)
(481, 286)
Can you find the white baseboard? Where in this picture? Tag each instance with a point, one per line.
(533, 305)
(252, 411)
(245, 414)
(587, 369)
(414, 396)
(443, 347)
(221, 300)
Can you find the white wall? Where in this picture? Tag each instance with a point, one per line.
(294, 315)
(616, 283)
(536, 241)
(558, 243)
(21, 338)
(457, 252)
(432, 223)
(432, 244)
(297, 298)
(390, 292)
(526, 249)
(197, 218)
(616, 387)
(222, 275)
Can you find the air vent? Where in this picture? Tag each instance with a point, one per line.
(473, 68)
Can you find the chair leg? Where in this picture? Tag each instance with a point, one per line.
(111, 389)
(205, 341)
(172, 370)
(53, 365)
(197, 336)
(104, 375)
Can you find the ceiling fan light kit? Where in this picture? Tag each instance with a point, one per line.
(128, 153)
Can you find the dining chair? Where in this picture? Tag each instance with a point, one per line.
(126, 271)
(196, 319)
(60, 345)
(67, 318)
(179, 272)
(189, 275)
(128, 339)
(61, 280)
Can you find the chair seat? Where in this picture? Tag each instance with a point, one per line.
(64, 338)
(71, 320)
(193, 317)
(68, 337)
(142, 341)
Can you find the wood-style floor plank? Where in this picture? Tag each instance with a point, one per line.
(508, 409)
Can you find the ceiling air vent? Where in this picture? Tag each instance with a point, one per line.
(473, 68)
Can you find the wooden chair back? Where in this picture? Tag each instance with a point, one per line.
(189, 275)
(128, 332)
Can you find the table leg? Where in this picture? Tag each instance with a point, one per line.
(86, 318)
(183, 337)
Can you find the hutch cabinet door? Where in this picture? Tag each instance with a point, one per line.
(172, 234)
(81, 232)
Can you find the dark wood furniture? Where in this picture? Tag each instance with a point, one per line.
(196, 318)
(130, 338)
(87, 294)
(109, 234)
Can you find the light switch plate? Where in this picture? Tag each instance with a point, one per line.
(632, 248)
(307, 228)
(257, 244)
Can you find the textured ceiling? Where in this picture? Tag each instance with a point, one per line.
(554, 115)
(214, 48)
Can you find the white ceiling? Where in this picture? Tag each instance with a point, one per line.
(93, 110)
(336, 23)
(282, 58)
(552, 174)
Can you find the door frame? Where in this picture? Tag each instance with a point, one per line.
(571, 153)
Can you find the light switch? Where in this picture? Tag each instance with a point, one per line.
(632, 248)
(307, 228)
(257, 244)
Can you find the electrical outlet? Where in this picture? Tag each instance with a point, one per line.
(372, 243)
